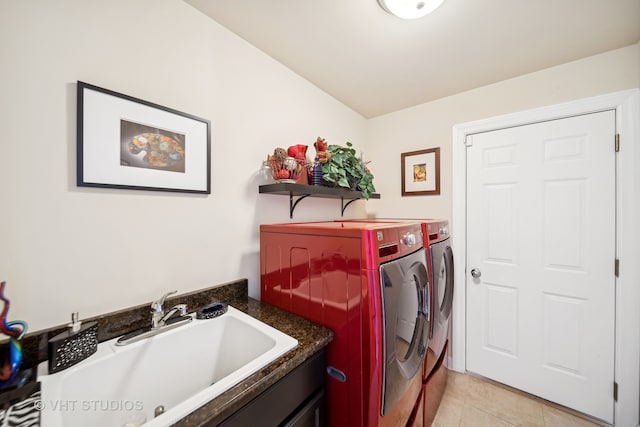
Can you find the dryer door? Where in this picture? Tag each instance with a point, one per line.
(405, 293)
(443, 286)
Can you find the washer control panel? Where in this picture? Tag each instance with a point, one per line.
(409, 239)
(398, 241)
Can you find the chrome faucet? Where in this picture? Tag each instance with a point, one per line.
(159, 321)
(158, 315)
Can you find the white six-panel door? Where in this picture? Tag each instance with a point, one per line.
(541, 236)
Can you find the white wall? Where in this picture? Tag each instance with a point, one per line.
(64, 248)
(430, 125)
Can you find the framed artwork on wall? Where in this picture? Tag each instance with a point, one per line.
(125, 142)
(421, 172)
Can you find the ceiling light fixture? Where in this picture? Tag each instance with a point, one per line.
(410, 9)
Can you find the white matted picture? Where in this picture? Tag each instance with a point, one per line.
(421, 172)
(125, 142)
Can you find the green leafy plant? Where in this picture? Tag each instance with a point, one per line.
(344, 169)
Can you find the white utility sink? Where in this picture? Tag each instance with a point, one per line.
(180, 369)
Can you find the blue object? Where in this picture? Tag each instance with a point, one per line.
(12, 363)
(212, 310)
(317, 174)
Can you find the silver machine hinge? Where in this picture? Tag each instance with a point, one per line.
(615, 391)
(617, 142)
(617, 268)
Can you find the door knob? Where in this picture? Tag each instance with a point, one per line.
(475, 273)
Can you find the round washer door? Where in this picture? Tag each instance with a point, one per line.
(405, 293)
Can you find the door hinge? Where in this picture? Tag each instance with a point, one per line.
(617, 268)
(617, 142)
(468, 140)
(615, 391)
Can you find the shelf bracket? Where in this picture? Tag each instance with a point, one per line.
(302, 191)
(292, 204)
(343, 206)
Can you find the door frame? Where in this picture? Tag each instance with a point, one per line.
(627, 318)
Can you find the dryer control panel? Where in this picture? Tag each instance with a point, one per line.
(437, 231)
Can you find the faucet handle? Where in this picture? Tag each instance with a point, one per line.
(157, 305)
(182, 308)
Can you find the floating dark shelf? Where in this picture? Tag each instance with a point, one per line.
(302, 191)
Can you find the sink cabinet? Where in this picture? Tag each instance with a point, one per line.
(297, 400)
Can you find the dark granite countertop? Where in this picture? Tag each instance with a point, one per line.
(311, 339)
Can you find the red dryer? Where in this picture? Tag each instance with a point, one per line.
(436, 241)
(369, 283)
(441, 258)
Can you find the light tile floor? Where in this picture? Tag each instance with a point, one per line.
(470, 401)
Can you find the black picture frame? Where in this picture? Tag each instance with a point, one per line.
(129, 143)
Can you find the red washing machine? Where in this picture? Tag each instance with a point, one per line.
(369, 283)
(440, 260)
